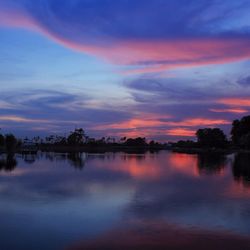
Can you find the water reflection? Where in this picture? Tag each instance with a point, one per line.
(185, 164)
(157, 235)
(77, 160)
(211, 163)
(136, 198)
(30, 158)
(8, 163)
(241, 168)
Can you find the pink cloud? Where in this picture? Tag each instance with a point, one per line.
(157, 126)
(194, 122)
(233, 110)
(238, 102)
(147, 123)
(148, 55)
(181, 132)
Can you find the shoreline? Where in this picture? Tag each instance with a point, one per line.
(100, 149)
(125, 149)
(209, 150)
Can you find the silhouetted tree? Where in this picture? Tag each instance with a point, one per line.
(137, 142)
(77, 137)
(152, 143)
(123, 139)
(185, 144)
(241, 132)
(10, 143)
(211, 137)
(244, 141)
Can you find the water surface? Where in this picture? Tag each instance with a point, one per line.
(125, 201)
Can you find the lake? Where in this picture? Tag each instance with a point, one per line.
(158, 200)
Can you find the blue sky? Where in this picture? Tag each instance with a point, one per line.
(159, 69)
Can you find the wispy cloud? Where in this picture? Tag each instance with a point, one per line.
(234, 110)
(181, 132)
(19, 119)
(140, 38)
(236, 102)
(183, 42)
(49, 111)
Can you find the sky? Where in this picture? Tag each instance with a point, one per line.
(153, 68)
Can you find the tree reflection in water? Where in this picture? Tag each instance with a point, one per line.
(211, 163)
(207, 163)
(77, 160)
(125, 201)
(29, 158)
(241, 168)
(8, 163)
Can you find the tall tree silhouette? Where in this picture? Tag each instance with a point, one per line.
(211, 137)
(77, 137)
(241, 132)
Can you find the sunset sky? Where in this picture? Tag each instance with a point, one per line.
(154, 68)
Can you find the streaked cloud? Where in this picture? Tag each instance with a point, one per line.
(181, 132)
(235, 110)
(203, 45)
(182, 42)
(237, 102)
(20, 119)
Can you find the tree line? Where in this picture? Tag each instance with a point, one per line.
(206, 138)
(76, 139)
(216, 138)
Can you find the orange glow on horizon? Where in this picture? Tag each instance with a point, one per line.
(136, 123)
(181, 132)
(133, 124)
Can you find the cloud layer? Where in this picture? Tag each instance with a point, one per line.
(203, 45)
(140, 34)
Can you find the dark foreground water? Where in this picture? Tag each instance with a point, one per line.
(125, 201)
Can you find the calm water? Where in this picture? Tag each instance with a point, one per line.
(125, 201)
